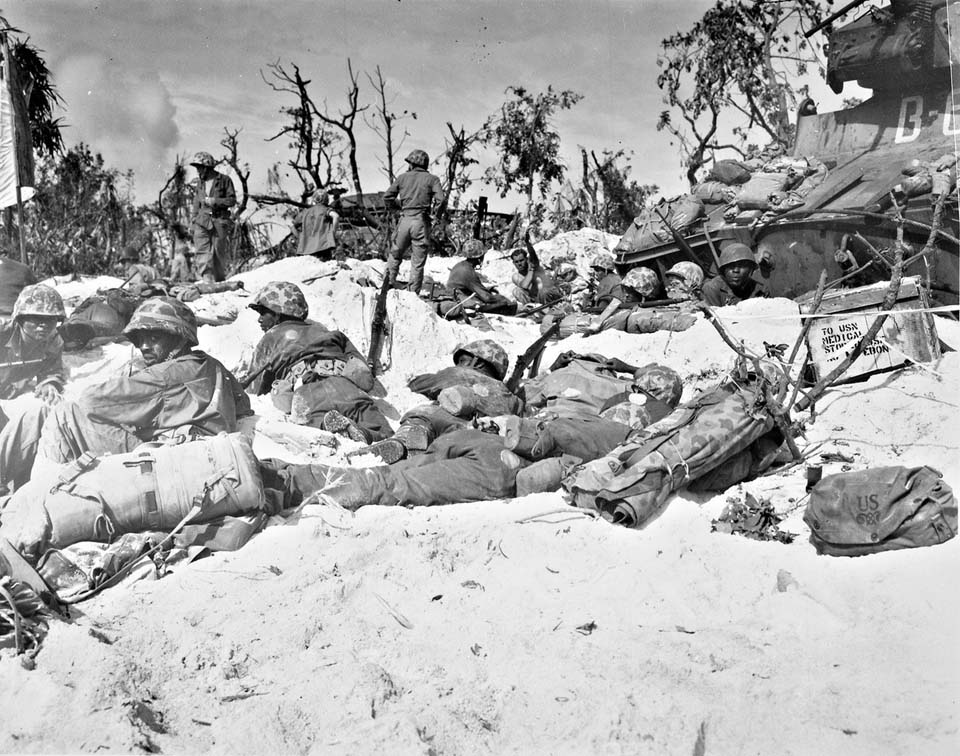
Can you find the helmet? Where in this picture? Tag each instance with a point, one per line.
(203, 158)
(130, 252)
(662, 382)
(642, 280)
(418, 159)
(604, 261)
(689, 272)
(164, 314)
(489, 351)
(473, 249)
(283, 298)
(39, 299)
(736, 252)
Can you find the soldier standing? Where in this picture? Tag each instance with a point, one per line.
(414, 192)
(212, 201)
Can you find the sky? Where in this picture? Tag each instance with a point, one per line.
(147, 81)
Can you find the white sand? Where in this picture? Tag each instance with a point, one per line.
(454, 630)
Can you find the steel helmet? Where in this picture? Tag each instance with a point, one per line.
(688, 272)
(603, 261)
(203, 158)
(418, 159)
(39, 299)
(662, 382)
(489, 351)
(282, 298)
(736, 252)
(473, 249)
(164, 314)
(642, 280)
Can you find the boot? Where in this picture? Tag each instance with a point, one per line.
(390, 450)
(414, 437)
(338, 423)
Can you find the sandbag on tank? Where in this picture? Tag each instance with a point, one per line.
(149, 489)
(631, 485)
(648, 228)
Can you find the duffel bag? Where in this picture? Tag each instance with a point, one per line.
(884, 508)
(149, 489)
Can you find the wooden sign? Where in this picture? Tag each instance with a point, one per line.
(904, 338)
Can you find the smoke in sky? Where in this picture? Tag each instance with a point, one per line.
(128, 117)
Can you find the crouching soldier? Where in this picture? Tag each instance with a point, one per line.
(464, 283)
(315, 374)
(683, 282)
(532, 284)
(31, 358)
(181, 393)
(473, 386)
(735, 282)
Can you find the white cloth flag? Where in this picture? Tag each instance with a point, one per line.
(8, 161)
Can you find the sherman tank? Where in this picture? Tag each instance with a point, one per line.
(893, 154)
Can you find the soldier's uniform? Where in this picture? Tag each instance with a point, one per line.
(43, 362)
(464, 281)
(316, 231)
(322, 369)
(415, 192)
(211, 223)
(186, 396)
(717, 292)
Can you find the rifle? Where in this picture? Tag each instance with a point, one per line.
(378, 328)
(531, 358)
(677, 237)
(20, 363)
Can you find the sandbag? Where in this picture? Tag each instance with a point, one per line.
(755, 194)
(653, 320)
(481, 398)
(714, 192)
(581, 388)
(632, 484)
(648, 229)
(730, 172)
(884, 508)
(149, 489)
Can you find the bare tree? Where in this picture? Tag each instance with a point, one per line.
(384, 124)
(230, 143)
(317, 151)
(345, 124)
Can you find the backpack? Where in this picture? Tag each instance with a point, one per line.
(884, 508)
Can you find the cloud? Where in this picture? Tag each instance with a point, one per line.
(126, 115)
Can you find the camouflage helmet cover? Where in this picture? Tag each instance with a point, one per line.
(203, 158)
(418, 159)
(282, 298)
(603, 261)
(642, 280)
(689, 272)
(736, 252)
(473, 249)
(39, 299)
(489, 351)
(164, 314)
(662, 382)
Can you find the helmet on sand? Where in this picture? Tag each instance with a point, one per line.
(642, 280)
(203, 158)
(689, 272)
(473, 249)
(164, 314)
(418, 159)
(603, 261)
(282, 298)
(736, 252)
(662, 382)
(487, 350)
(39, 299)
